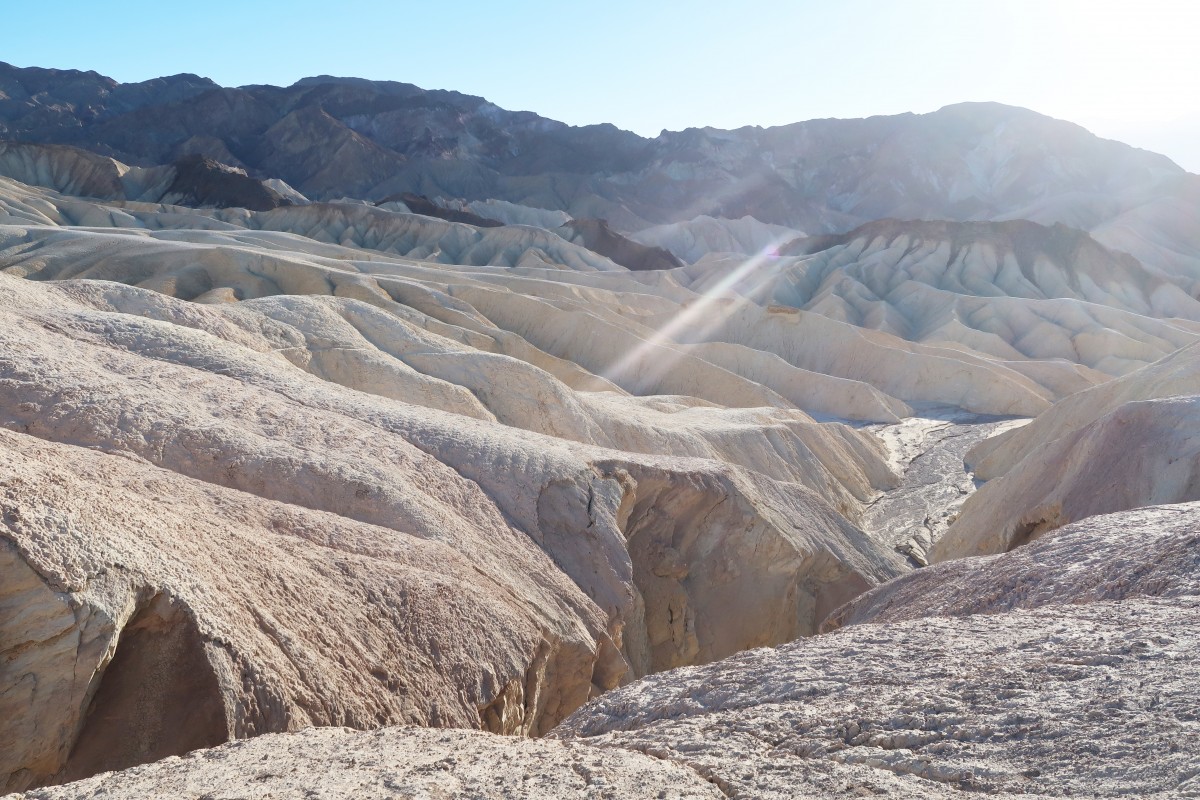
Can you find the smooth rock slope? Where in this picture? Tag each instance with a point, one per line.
(1123, 444)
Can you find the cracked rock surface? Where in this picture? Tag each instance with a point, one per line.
(1093, 700)
(341, 764)
(1068, 668)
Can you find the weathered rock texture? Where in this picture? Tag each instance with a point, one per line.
(340, 764)
(172, 613)
(1095, 700)
(1063, 669)
(190, 180)
(322, 510)
(1066, 669)
(1150, 552)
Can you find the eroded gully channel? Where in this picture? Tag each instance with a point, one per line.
(927, 450)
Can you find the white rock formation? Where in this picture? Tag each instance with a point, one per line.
(1175, 375)
(173, 613)
(1012, 291)
(624, 326)
(289, 485)
(516, 214)
(1065, 668)
(702, 236)
(1123, 444)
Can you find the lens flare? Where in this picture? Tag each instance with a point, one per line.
(656, 354)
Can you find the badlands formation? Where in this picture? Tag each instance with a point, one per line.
(499, 458)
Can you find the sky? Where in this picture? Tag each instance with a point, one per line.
(1124, 70)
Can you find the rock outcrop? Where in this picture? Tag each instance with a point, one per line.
(696, 238)
(339, 764)
(1127, 443)
(1095, 699)
(1148, 552)
(419, 204)
(201, 181)
(1177, 374)
(597, 236)
(221, 584)
(1143, 453)
(1064, 668)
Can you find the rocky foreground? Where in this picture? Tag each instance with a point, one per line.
(1066, 668)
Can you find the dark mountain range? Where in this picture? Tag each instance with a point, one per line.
(331, 137)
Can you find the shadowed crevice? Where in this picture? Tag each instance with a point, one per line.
(158, 697)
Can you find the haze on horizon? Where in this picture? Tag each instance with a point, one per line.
(1124, 70)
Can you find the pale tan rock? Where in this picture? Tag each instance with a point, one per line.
(1012, 290)
(705, 235)
(1147, 552)
(1174, 375)
(647, 553)
(1143, 453)
(622, 328)
(1123, 444)
(1092, 700)
(340, 764)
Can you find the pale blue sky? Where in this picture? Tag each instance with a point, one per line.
(1125, 70)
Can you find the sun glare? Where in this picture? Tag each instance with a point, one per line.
(698, 318)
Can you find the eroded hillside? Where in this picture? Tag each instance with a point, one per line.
(282, 465)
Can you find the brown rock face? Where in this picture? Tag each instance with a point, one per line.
(597, 236)
(158, 697)
(133, 631)
(200, 181)
(419, 204)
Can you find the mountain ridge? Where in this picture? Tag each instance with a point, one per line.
(333, 136)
